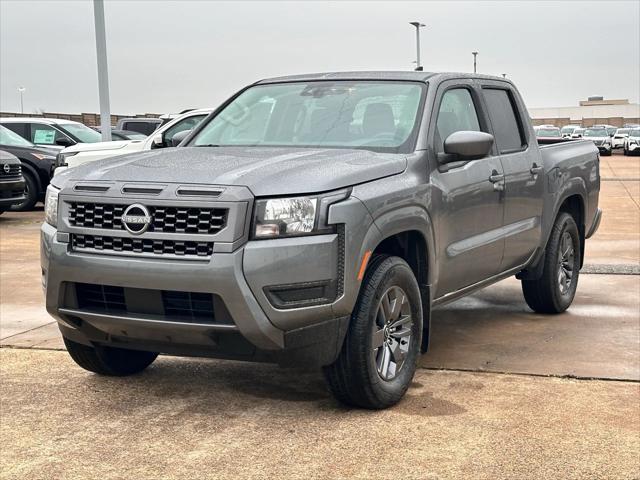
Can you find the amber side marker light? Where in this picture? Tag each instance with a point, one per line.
(363, 265)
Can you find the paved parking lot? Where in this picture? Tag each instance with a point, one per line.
(503, 392)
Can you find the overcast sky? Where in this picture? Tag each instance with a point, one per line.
(165, 56)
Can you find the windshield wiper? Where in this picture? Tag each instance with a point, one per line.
(208, 145)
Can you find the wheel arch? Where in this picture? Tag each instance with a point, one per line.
(29, 167)
(408, 233)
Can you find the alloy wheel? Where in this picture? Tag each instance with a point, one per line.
(392, 332)
(566, 260)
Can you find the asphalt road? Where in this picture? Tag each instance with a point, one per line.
(503, 393)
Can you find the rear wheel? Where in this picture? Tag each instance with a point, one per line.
(554, 291)
(380, 352)
(30, 194)
(116, 362)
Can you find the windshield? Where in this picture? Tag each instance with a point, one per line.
(622, 131)
(567, 130)
(635, 133)
(377, 116)
(83, 133)
(548, 132)
(8, 137)
(595, 132)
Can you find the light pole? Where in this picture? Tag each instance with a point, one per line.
(475, 54)
(21, 90)
(418, 25)
(103, 74)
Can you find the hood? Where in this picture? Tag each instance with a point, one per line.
(265, 171)
(99, 146)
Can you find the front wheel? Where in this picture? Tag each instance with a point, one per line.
(30, 194)
(380, 352)
(115, 362)
(554, 291)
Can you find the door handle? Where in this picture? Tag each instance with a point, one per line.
(535, 169)
(498, 181)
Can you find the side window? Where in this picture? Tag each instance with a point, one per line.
(186, 124)
(19, 128)
(507, 126)
(44, 134)
(457, 113)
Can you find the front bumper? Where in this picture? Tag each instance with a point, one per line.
(244, 279)
(11, 192)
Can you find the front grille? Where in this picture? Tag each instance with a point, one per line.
(14, 170)
(189, 307)
(598, 143)
(194, 220)
(142, 245)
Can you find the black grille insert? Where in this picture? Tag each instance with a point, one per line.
(189, 307)
(142, 245)
(164, 219)
(103, 298)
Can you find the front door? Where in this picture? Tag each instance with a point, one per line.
(468, 197)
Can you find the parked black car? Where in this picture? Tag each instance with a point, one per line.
(37, 166)
(11, 181)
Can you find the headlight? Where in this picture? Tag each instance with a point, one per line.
(294, 216)
(51, 206)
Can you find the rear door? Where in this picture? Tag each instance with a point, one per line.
(469, 205)
(523, 170)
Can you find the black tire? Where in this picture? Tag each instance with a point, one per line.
(30, 193)
(550, 293)
(115, 362)
(354, 378)
(607, 154)
(625, 152)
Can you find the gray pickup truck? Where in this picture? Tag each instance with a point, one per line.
(317, 219)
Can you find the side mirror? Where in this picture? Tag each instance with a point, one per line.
(157, 141)
(466, 145)
(179, 137)
(64, 142)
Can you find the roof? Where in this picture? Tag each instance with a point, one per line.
(53, 121)
(376, 75)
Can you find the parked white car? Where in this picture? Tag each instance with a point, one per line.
(79, 154)
(567, 130)
(600, 139)
(51, 132)
(632, 142)
(617, 141)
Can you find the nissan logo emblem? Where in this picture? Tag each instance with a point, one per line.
(6, 168)
(136, 219)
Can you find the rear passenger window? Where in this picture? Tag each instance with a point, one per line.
(19, 128)
(507, 126)
(457, 113)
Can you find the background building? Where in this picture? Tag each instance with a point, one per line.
(595, 110)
